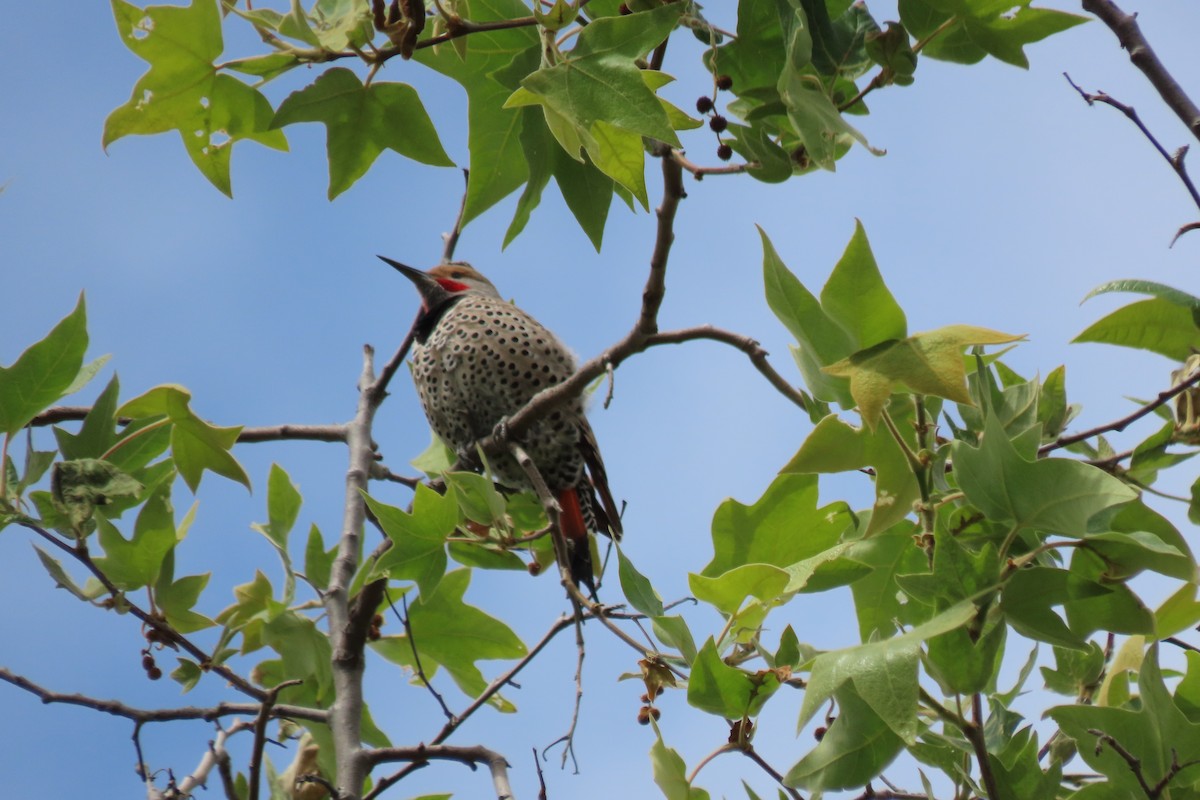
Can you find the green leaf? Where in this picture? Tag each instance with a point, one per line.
(674, 632)
(418, 550)
(1152, 288)
(755, 145)
(304, 651)
(61, 579)
(717, 688)
(670, 773)
(176, 598)
(884, 673)
(1005, 35)
(879, 603)
(1053, 410)
(361, 121)
(1178, 612)
(1187, 693)
(729, 590)
(477, 497)
(98, 432)
(43, 373)
(493, 138)
(927, 363)
(78, 487)
(619, 154)
(1109, 606)
(822, 341)
(449, 632)
(283, 506)
(484, 555)
(183, 91)
(434, 459)
(1157, 734)
(267, 66)
(836, 446)
(134, 563)
(817, 121)
(598, 82)
(1056, 495)
(783, 527)
(318, 562)
(856, 298)
(638, 591)
(857, 746)
(251, 600)
(196, 445)
(1074, 669)
(1029, 597)
(757, 55)
(1157, 325)
(1127, 554)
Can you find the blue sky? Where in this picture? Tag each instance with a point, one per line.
(1002, 200)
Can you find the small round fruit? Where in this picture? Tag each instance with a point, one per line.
(718, 123)
(655, 713)
(534, 568)
(154, 673)
(724, 152)
(724, 83)
(644, 715)
(147, 662)
(704, 104)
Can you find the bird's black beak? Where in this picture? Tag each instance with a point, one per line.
(432, 293)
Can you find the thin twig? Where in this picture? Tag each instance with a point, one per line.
(753, 755)
(1176, 160)
(537, 764)
(214, 757)
(169, 635)
(378, 389)
(559, 625)
(260, 734)
(974, 733)
(119, 709)
(270, 433)
(412, 643)
(755, 352)
(1143, 57)
(451, 238)
(568, 738)
(470, 756)
(698, 172)
(1124, 422)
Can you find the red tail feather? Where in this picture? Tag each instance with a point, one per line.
(574, 527)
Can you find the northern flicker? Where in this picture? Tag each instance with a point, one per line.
(477, 360)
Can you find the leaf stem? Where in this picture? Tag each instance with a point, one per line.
(4, 467)
(153, 426)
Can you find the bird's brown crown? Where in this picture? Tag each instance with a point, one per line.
(457, 276)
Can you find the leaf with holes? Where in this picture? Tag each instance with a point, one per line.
(183, 91)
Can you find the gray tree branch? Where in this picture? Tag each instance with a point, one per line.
(1129, 34)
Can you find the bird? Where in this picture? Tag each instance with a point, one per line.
(477, 359)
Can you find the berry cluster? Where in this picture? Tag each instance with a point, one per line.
(717, 122)
(648, 710)
(152, 670)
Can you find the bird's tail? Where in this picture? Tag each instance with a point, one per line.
(575, 533)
